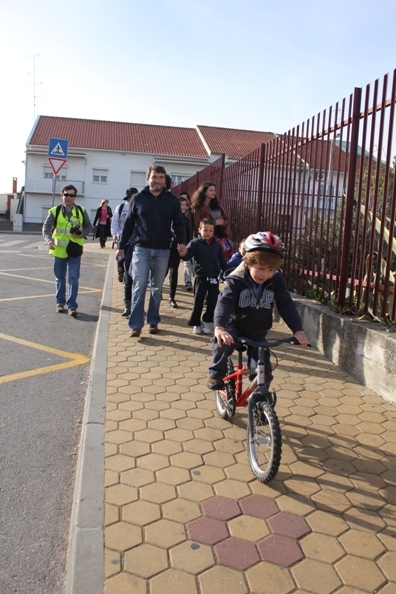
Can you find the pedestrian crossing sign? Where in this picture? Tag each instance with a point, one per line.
(57, 153)
(57, 148)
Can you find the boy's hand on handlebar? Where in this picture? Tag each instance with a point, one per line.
(222, 336)
(302, 338)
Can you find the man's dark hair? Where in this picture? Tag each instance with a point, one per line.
(168, 182)
(69, 187)
(157, 169)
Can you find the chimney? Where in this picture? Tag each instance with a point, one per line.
(14, 185)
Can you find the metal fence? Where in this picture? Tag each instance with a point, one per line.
(327, 188)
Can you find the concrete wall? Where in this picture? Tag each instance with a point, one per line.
(365, 350)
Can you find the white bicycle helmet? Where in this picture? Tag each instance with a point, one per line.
(266, 241)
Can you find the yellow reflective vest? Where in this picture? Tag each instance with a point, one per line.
(61, 234)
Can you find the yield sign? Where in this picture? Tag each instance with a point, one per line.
(57, 153)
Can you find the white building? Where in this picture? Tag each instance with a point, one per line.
(105, 158)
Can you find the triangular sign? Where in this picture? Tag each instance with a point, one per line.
(56, 164)
(57, 151)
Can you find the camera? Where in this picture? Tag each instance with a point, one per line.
(76, 230)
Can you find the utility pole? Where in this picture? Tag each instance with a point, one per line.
(34, 84)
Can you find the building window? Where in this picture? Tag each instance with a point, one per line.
(99, 176)
(138, 179)
(49, 174)
(177, 178)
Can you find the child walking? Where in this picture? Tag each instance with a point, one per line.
(245, 305)
(209, 260)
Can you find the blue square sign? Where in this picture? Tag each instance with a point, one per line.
(57, 148)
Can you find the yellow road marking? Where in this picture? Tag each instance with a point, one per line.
(75, 359)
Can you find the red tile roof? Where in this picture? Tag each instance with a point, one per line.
(119, 136)
(233, 143)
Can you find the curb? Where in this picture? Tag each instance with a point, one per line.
(85, 563)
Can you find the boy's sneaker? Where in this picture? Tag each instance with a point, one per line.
(207, 328)
(197, 330)
(214, 384)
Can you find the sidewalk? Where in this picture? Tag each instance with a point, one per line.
(183, 512)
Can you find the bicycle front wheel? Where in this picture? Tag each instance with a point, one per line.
(264, 441)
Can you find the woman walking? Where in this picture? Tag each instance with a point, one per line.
(103, 217)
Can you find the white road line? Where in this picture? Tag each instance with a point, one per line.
(15, 242)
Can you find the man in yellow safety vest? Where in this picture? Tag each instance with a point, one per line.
(64, 231)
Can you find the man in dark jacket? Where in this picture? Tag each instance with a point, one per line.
(152, 215)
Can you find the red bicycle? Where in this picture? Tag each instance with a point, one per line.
(264, 438)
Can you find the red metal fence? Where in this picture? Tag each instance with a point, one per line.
(327, 188)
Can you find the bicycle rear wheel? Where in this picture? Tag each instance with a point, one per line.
(264, 440)
(226, 398)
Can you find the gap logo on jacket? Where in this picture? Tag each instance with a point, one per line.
(247, 298)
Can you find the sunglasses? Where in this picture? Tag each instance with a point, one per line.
(69, 195)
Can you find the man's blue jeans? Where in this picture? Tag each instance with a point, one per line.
(60, 267)
(147, 264)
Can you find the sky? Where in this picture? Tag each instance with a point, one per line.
(246, 64)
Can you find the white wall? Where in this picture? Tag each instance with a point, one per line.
(123, 170)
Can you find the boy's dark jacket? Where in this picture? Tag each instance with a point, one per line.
(237, 303)
(152, 219)
(208, 257)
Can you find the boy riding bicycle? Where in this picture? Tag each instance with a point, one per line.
(244, 307)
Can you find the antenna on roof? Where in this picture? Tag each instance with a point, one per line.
(34, 84)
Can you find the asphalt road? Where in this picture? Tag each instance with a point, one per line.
(40, 410)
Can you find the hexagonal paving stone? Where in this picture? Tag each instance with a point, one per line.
(258, 506)
(137, 477)
(141, 513)
(279, 550)
(124, 582)
(248, 527)
(165, 533)
(266, 578)
(222, 579)
(221, 508)
(288, 525)
(120, 494)
(172, 580)
(181, 510)
(236, 553)
(360, 573)
(321, 547)
(146, 560)
(191, 557)
(207, 530)
(316, 577)
(158, 492)
(122, 536)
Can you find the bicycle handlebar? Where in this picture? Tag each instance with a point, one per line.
(272, 343)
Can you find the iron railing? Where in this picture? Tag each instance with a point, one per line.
(327, 188)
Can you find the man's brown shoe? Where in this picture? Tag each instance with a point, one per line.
(60, 308)
(153, 329)
(135, 333)
(72, 312)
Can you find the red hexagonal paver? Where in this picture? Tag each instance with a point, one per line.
(280, 550)
(221, 508)
(258, 506)
(237, 553)
(288, 525)
(207, 530)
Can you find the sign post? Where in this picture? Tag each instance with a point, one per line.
(57, 156)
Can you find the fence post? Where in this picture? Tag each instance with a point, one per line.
(221, 177)
(350, 196)
(260, 188)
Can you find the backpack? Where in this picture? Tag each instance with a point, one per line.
(227, 246)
